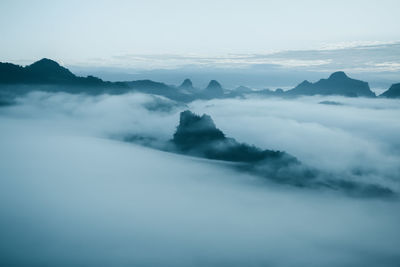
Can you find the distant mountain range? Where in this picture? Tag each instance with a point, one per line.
(337, 84)
(48, 75)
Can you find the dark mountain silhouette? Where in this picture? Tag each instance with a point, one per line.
(48, 75)
(49, 71)
(392, 92)
(45, 72)
(213, 90)
(337, 84)
(214, 85)
(10, 73)
(187, 85)
(198, 135)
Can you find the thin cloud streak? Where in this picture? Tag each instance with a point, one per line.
(361, 59)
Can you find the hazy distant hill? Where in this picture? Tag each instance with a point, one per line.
(213, 90)
(337, 84)
(187, 85)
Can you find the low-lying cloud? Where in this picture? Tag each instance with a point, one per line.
(73, 194)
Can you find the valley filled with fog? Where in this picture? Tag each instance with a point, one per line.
(74, 193)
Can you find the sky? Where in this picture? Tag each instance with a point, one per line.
(376, 63)
(80, 32)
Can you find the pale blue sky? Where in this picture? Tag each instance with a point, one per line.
(79, 32)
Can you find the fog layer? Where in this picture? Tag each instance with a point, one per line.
(72, 193)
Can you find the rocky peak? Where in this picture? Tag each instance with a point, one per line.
(214, 85)
(339, 75)
(186, 84)
(195, 129)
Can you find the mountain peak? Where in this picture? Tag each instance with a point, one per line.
(214, 89)
(214, 85)
(190, 121)
(338, 83)
(198, 135)
(49, 71)
(186, 84)
(45, 62)
(305, 82)
(48, 66)
(339, 75)
(194, 130)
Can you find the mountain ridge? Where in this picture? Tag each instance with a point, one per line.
(48, 72)
(338, 83)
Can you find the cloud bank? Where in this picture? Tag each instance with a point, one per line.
(374, 62)
(73, 194)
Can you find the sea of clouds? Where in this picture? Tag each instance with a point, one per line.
(72, 193)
